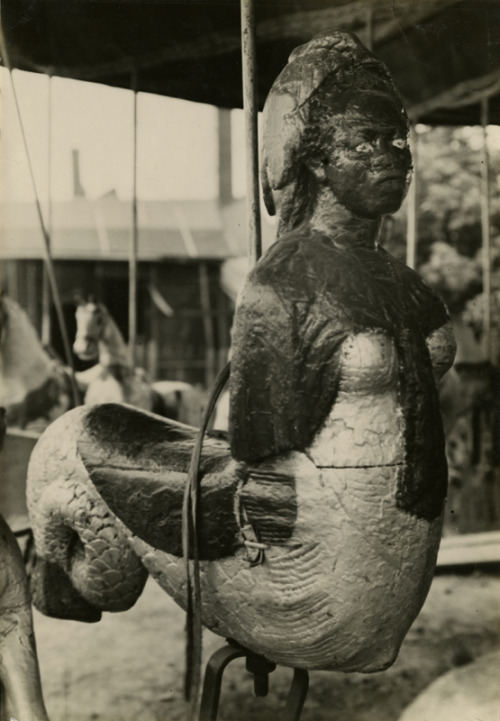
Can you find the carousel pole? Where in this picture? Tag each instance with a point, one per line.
(46, 323)
(132, 298)
(250, 107)
(485, 231)
(411, 235)
(49, 263)
(191, 493)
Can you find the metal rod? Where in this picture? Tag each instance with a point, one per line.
(485, 231)
(250, 106)
(46, 240)
(411, 231)
(369, 27)
(132, 297)
(46, 320)
(208, 330)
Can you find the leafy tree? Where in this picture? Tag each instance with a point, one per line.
(449, 212)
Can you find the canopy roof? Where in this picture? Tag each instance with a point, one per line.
(443, 54)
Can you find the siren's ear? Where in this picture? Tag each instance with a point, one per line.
(267, 192)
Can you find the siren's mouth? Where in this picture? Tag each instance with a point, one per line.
(392, 178)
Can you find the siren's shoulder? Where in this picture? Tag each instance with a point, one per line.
(425, 301)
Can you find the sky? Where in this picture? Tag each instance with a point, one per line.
(176, 142)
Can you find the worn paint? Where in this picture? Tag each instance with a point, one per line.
(335, 463)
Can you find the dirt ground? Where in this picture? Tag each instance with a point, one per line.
(130, 665)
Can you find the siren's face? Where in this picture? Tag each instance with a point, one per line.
(368, 166)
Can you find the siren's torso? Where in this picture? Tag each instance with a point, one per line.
(366, 426)
(347, 569)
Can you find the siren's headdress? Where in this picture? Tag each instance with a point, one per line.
(329, 65)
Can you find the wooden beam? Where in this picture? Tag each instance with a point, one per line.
(469, 548)
(389, 19)
(465, 93)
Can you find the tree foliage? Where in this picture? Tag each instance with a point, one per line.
(448, 170)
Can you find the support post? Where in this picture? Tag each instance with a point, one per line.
(250, 106)
(46, 241)
(132, 297)
(260, 667)
(485, 231)
(411, 232)
(208, 331)
(369, 27)
(46, 295)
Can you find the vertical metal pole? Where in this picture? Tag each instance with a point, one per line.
(132, 297)
(46, 296)
(369, 28)
(224, 148)
(411, 232)
(485, 231)
(208, 330)
(250, 106)
(46, 243)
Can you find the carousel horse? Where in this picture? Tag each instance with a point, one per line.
(319, 517)
(114, 380)
(19, 671)
(35, 387)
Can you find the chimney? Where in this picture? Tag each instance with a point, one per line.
(78, 190)
(225, 174)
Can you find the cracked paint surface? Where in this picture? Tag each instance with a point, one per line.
(335, 457)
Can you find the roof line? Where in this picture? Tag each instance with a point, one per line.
(465, 93)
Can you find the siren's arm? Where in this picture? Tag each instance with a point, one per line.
(442, 348)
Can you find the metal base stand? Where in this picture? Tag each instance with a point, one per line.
(260, 667)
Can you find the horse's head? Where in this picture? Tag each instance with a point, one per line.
(90, 326)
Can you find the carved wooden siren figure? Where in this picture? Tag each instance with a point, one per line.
(320, 520)
(336, 350)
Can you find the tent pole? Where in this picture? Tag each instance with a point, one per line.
(411, 234)
(369, 30)
(46, 241)
(250, 106)
(485, 230)
(46, 322)
(132, 298)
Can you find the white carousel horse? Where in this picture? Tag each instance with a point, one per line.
(19, 671)
(35, 388)
(114, 380)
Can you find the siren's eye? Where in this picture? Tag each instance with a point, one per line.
(363, 147)
(400, 143)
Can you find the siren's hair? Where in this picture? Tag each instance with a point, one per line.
(295, 112)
